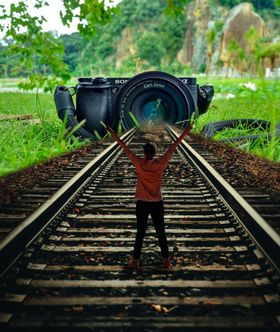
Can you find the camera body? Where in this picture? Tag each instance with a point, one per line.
(150, 96)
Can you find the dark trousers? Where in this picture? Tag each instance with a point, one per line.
(143, 209)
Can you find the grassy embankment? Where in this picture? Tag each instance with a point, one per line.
(23, 144)
(263, 103)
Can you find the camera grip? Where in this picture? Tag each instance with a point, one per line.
(94, 105)
(66, 109)
(64, 102)
(204, 98)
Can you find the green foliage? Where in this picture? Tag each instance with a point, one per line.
(264, 4)
(73, 46)
(103, 46)
(9, 65)
(246, 103)
(202, 68)
(219, 25)
(24, 144)
(145, 11)
(150, 48)
(211, 35)
(91, 14)
(258, 4)
(34, 47)
(237, 55)
(230, 3)
(158, 39)
(175, 7)
(171, 31)
(177, 69)
(271, 50)
(29, 52)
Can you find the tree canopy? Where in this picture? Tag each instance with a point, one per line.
(48, 59)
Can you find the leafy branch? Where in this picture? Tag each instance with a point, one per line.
(175, 7)
(26, 38)
(91, 14)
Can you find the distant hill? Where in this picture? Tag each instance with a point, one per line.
(203, 38)
(141, 37)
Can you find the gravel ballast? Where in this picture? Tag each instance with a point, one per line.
(251, 169)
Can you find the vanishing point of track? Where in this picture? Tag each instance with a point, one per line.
(64, 266)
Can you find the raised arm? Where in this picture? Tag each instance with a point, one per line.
(172, 148)
(131, 156)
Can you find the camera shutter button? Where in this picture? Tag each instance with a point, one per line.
(100, 80)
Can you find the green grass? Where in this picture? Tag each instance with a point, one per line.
(260, 104)
(23, 144)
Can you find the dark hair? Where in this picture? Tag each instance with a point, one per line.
(150, 149)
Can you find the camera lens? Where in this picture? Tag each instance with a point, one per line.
(152, 105)
(155, 109)
(154, 97)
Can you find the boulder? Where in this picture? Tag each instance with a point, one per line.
(201, 17)
(239, 21)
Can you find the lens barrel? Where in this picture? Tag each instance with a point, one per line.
(154, 97)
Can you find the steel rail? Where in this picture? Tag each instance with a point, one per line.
(264, 236)
(20, 238)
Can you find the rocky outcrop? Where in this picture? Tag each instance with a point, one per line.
(241, 18)
(217, 40)
(201, 18)
(126, 46)
(186, 53)
(194, 51)
(217, 55)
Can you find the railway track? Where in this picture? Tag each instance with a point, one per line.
(16, 211)
(72, 273)
(265, 202)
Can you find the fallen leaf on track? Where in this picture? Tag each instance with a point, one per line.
(159, 308)
(74, 308)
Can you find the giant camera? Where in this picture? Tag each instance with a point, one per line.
(148, 97)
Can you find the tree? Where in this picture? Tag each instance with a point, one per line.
(236, 55)
(146, 10)
(171, 31)
(175, 7)
(252, 37)
(9, 65)
(150, 49)
(40, 53)
(271, 51)
(211, 35)
(261, 4)
(258, 4)
(33, 46)
(73, 47)
(91, 14)
(230, 3)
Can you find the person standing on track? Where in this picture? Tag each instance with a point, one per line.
(148, 195)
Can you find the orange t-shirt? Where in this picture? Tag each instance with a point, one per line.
(149, 178)
(149, 172)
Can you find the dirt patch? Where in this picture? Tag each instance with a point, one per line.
(252, 169)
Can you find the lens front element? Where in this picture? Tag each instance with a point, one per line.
(154, 110)
(156, 97)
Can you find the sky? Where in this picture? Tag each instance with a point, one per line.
(51, 14)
